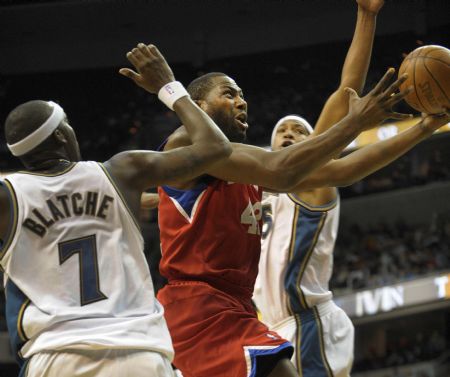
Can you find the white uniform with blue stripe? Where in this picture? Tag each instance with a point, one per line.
(291, 291)
(76, 274)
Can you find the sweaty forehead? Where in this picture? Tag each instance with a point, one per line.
(225, 82)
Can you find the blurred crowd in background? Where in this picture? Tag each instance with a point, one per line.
(385, 254)
(405, 350)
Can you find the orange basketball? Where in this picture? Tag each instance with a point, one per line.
(428, 69)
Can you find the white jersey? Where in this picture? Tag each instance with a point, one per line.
(75, 272)
(296, 256)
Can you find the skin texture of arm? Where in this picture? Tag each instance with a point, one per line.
(282, 170)
(354, 73)
(136, 171)
(355, 67)
(361, 163)
(274, 170)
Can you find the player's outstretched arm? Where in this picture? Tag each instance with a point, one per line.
(283, 170)
(367, 160)
(355, 67)
(139, 170)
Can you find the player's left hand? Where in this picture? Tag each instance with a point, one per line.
(372, 6)
(153, 72)
(432, 122)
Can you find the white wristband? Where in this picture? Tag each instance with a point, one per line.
(172, 92)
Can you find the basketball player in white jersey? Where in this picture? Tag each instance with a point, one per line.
(80, 299)
(300, 229)
(291, 291)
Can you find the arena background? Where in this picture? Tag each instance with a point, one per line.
(392, 260)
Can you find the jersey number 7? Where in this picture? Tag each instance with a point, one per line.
(86, 248)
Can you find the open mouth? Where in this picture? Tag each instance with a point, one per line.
(241, 120)
(287, 143)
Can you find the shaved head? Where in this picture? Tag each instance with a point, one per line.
(199, 88)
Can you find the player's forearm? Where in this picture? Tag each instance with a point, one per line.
(298, 161)
(356, 65)
(201, 128)
(367, 160)
(354, 71)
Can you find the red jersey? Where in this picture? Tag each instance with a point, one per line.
(212, 233)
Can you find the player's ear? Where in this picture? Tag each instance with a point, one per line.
(202, 104)
(59, 136)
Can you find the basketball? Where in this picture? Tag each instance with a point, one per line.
(428, 70)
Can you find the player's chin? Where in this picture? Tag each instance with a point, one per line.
(237, 135)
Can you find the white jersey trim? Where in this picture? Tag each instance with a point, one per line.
(323, 208)
(11, 232)
(119, 193)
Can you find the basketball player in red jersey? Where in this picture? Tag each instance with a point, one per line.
(210, 232)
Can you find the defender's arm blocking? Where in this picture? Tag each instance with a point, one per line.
(360, 164)
(355, 67)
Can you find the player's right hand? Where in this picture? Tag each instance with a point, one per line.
(376, 106)
(153, 72)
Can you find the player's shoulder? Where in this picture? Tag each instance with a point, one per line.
(179, 138)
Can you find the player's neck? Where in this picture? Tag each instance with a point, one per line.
(50, 165)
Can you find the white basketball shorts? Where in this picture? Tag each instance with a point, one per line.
(323, 338)
(98, 363)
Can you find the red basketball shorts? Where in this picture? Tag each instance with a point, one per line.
(216, 334)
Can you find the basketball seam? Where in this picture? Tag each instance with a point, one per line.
(437, 83)
(433, 58)
(429, 51)
(414, 83)
(428, 57)
(438, 60)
